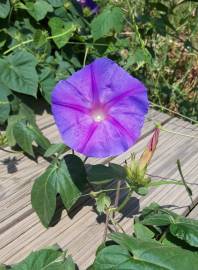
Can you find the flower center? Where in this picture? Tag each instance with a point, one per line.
(98, 115)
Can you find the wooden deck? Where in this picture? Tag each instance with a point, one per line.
(20, 229)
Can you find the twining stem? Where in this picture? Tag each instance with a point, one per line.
(113, 223)
(117, 196)
(175, 113)
(10, 151)
(124, 202)
(85, 57)
(106, 225)
(117, 193)
(177, 133)
(188, 190)
(116, 224)
(52, 37)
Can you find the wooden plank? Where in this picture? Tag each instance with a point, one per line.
(194, 213)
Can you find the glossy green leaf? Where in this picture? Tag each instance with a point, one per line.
(46, 259)
(23, 137)
(40, 38)
(61, 31)
(118, 258)
(56, 148)
(143, 191)
(17, 72)
(4, 8)
(71, 180)
(109, 21)
(12, 120)
(159, 255)
(157, 219)
(56, 3)
(47, 82)
(4, 103)
(43, 195)
(27, 113)
(187, 230)
(102, 202)
(39, 9)
(24, 113)
(142, 232)
(67, 178)
(38, 136)
(100, 174)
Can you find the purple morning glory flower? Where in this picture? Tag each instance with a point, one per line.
(100, 109)
(90, 4)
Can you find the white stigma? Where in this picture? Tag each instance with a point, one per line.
(98, 116)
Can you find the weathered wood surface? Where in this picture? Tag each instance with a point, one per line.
(194, 213)
(20, 230)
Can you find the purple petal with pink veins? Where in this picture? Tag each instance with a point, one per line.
(100, 109)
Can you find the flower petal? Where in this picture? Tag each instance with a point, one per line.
(100, 109)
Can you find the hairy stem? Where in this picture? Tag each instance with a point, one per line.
(124, 202)
(106, 226)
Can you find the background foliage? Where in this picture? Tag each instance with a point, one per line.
(42, 42)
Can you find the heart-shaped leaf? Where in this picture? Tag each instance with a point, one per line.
(17, 72)
(67, 178)
(100, 174)
(61, 31)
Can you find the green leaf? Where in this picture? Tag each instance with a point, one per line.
(24, 113)
(143, 191)
(3, 38)
(38, 136)
(56, 148)
(23, 137)
(142, 232)
(100, 174)
(159, 256)
(4, 8)
(102, 202)
(12, 120)
(40, 38)
(56, 3)
(72, 180)
(157, 220)
(61, 31)
(39, 9)
(139, 57)
(118, 258)
(47, 82)
(43, 195)
(68, 178)
(187, 230)
(27, 113)
(110, 20)
(69, 264)
(17, 72)
(46, 259)
(4, 103)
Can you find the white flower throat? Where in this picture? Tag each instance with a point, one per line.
(98, 115)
